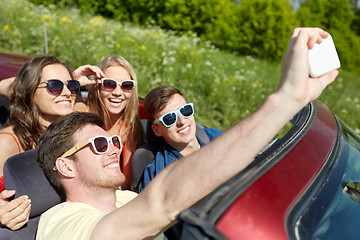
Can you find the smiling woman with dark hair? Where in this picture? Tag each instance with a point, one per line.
(42, 91)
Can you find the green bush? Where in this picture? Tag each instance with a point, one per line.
(336, 17)
(333, 14)
(355, 26)
(264, 27)
(347, 45)
(312, 13)
(259, 28)
(199, 16)
(61, 3)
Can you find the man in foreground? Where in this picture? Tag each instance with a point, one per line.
(89, 176)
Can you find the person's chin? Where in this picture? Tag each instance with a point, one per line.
(189, 137)
(184, 140)
(65, 112)
(115, 110)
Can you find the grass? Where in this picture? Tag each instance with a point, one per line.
(223, 86)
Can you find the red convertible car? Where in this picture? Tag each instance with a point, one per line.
(10, 63)
(306, 185)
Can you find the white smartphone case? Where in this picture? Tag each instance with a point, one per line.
(323, 57)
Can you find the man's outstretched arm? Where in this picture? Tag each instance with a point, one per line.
(185, 182)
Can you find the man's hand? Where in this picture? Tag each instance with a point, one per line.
(14, 214)
(296, 83)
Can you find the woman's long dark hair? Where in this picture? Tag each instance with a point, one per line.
(24, 113)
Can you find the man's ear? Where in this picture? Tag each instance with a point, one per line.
(156, 130)
(65, 166)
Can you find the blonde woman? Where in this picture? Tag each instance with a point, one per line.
(115, 99)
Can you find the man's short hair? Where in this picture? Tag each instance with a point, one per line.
(57, 139)
(157, 99)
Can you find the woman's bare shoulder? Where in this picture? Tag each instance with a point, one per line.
(8, 145)
(7, 136)
(7, 140)
(8, 129)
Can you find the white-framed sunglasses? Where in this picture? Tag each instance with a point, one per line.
(100, 145)
(110, 85)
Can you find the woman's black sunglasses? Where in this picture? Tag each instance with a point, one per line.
(55, 86)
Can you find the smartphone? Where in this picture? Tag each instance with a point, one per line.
(323, 57)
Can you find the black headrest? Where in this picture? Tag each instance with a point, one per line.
(151, 137)
(23, 174)
(145, 154)
(4, 110)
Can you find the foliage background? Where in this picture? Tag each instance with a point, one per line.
(259, 28)
(226, 65)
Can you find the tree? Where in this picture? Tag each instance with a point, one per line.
(336, 17)
(263, 28)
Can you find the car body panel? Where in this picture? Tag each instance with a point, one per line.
(10, 64)
(278, 189)
(260, 202)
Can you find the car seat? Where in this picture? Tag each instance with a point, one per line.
(23, 174)
(4, 110)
